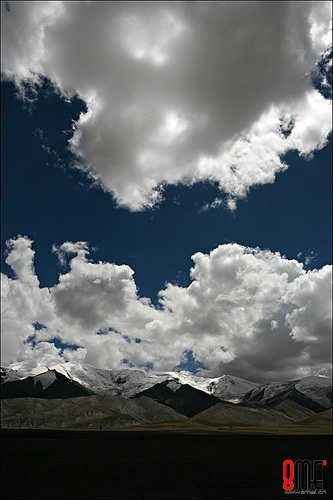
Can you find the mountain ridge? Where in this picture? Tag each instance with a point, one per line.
(128, 382)
(182, 394)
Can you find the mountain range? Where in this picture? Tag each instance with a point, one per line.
(78, 396)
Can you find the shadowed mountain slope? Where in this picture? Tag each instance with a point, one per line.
(185, 399)
(49, 385)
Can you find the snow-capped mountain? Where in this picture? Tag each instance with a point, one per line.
(129, 382)
(71, 380)
(316, 389)
(83, 396)
(226, 387)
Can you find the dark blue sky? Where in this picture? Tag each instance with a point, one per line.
(51, 205)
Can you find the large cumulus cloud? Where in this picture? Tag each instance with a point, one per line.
(178, 91)
(247, 312)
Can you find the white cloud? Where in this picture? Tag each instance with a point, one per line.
(309, 257)
(274, 324)
(247, 312)
(81, 248)
(178, 91)
(24, 302)
(229, 203)
(43, 354)
(312, 296)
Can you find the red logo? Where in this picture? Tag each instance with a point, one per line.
(304, 475)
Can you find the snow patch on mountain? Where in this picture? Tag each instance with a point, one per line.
(46, 379)
(173, 385)
(230, 388)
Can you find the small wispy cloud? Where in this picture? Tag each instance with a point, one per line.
(229, 203)
(310, 256)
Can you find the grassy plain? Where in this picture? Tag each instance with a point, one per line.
(318, 424)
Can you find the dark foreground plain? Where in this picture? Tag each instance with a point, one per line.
(44, 464)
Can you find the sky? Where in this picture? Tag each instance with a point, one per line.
(166, 199)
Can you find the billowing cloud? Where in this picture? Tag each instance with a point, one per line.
(178, 91)
(24, 302)
(247, 312)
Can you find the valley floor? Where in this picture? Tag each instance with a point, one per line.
(137, 464)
